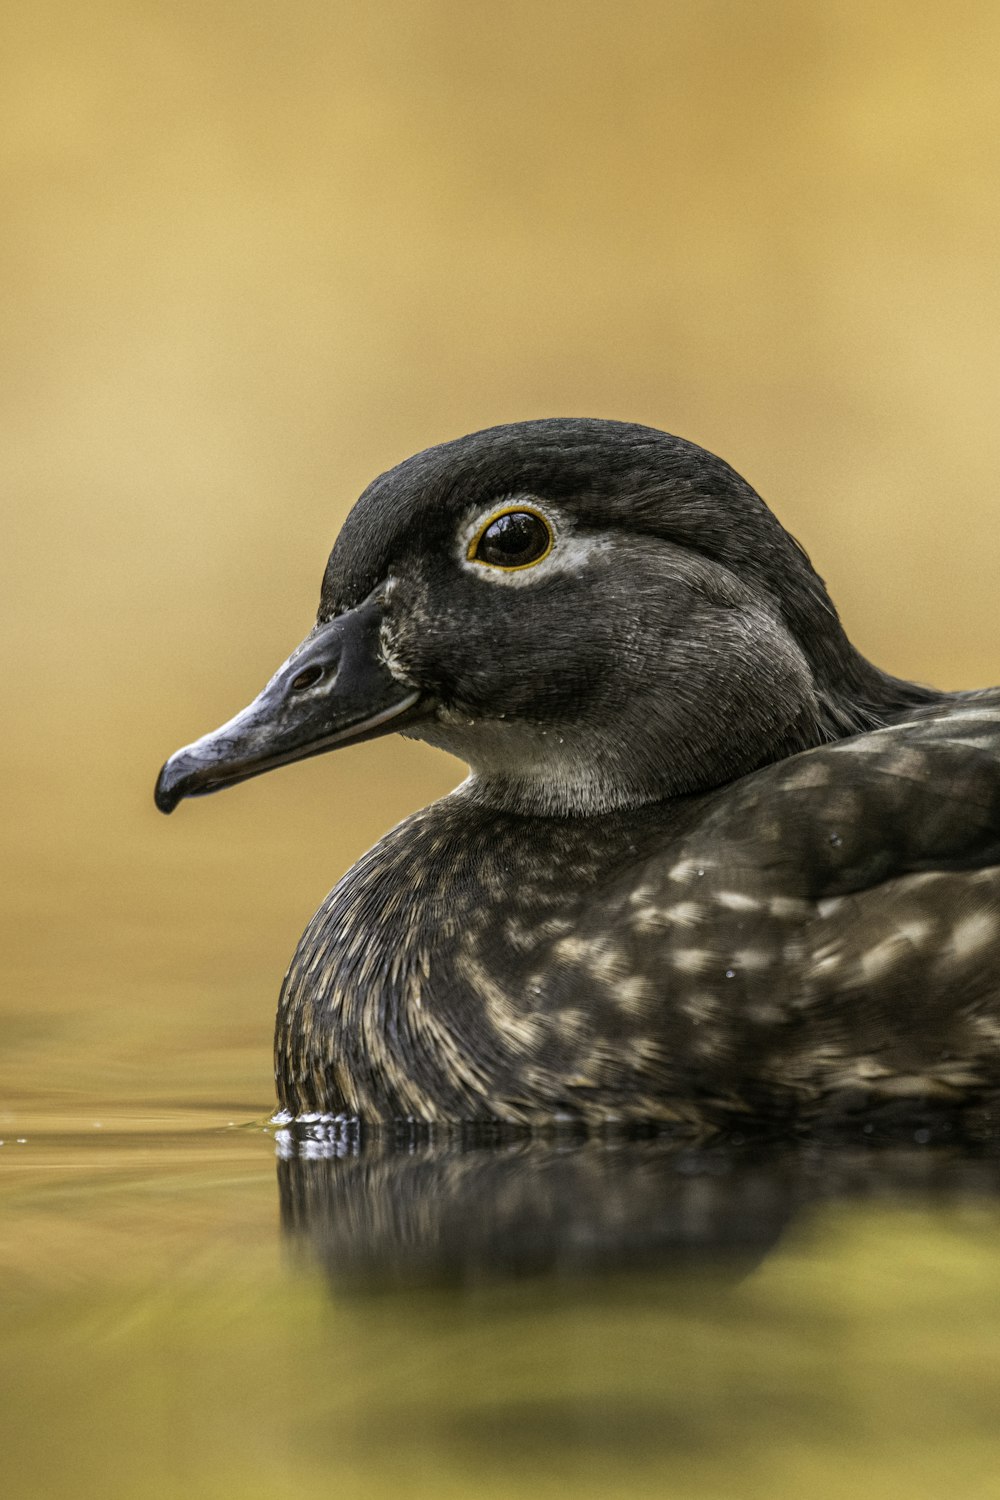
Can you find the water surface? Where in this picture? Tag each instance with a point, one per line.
(198, 1304)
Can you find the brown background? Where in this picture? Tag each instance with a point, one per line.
(254, 253)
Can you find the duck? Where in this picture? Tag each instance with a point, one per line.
(709, 863)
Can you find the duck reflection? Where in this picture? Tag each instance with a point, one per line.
(466, 1207)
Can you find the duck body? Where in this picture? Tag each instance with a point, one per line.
(818, 938)
(709, 862)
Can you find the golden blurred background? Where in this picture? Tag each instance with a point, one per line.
(254, 254)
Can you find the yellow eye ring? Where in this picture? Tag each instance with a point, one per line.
(524, 542)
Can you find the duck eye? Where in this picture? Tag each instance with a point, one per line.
(516, 539)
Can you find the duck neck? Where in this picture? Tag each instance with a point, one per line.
(857, 696)
(606, 782)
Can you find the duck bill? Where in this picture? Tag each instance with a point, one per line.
(335, 689)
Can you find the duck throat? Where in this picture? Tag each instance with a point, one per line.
(643, 750)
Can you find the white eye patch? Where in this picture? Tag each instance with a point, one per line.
(570, 551)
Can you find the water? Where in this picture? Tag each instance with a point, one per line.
(203, 1305)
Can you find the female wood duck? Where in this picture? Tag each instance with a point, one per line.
(709, 861)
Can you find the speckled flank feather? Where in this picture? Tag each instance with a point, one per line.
(480, 965)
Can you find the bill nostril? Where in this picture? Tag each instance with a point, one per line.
(307, 678)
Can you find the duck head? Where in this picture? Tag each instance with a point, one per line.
(591, 614)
